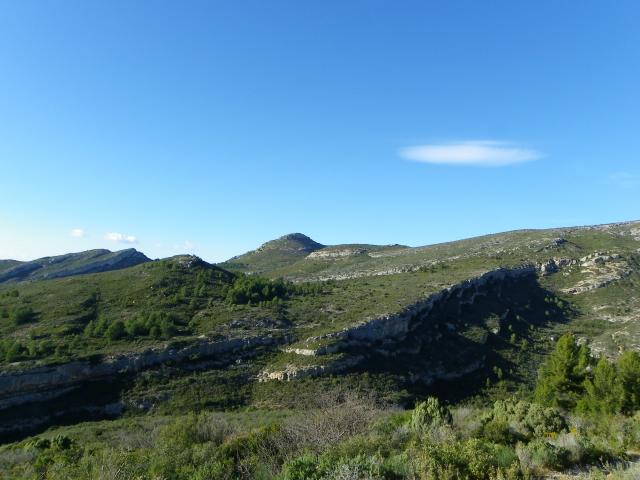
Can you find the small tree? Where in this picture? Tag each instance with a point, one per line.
(604, 392)
(429, 413)
(22, 315)
(560, 376)
(629, 376)
(116, 330)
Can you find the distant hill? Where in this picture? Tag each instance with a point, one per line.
(349, 261)
(274, 254)
(91, 261)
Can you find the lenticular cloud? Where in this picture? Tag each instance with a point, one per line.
(469, 153)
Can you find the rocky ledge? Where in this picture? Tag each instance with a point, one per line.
(46, 383)
(384, 334)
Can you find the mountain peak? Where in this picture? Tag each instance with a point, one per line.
(292, 241)
(274, 254)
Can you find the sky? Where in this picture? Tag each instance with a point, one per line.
(210, 127)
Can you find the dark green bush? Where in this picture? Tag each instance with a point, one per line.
(22, 315)
(116, 330)
(497, 431)
(253, 290)
(524, 420)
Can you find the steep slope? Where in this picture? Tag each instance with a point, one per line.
(6, 264)
(274, 254)
(70, 264)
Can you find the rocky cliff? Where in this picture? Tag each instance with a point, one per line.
(409, 331)
(38, 386)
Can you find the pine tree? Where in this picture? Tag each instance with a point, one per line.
(560, 377)
(603, 393)
(629, 376)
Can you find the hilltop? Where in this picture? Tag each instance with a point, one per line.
(274, 254)
(70, 264)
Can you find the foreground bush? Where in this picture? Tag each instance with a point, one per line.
(512, 420)
(341, 436)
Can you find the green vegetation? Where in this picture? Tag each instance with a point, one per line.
(572, 379)
(516, 404)
(339, 435)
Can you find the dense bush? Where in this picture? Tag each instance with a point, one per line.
(249, 289)
(428, 414)
(19, 315)
(539, 455)
(359, 467)
(512, 420)
(472, 459)
(152, 324)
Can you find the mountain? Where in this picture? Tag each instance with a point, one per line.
(274, 254)
(179, 334)
(90, 261)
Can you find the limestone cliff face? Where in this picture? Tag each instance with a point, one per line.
(385, 335)
(396, 327)
(46, 383)
(293, 372)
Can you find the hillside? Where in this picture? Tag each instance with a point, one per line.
(466, 319)
(70, 264)
(274, 254)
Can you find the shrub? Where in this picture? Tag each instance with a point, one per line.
(357, 468)
(334, 418)
(301, 468)
(472, 459)
(540, 454)
(22, 315)
(497, 431)
(116, 330)
(524, 420)
(429, 413)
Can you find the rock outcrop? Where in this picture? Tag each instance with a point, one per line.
(600, 270)
(46, 383)
(395, 327)
(385, 335)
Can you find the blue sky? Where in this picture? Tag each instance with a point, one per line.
(210, 127)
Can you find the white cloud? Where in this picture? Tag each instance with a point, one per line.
(78, 233)
(485, 153)
(120, 237)
(624, 179)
